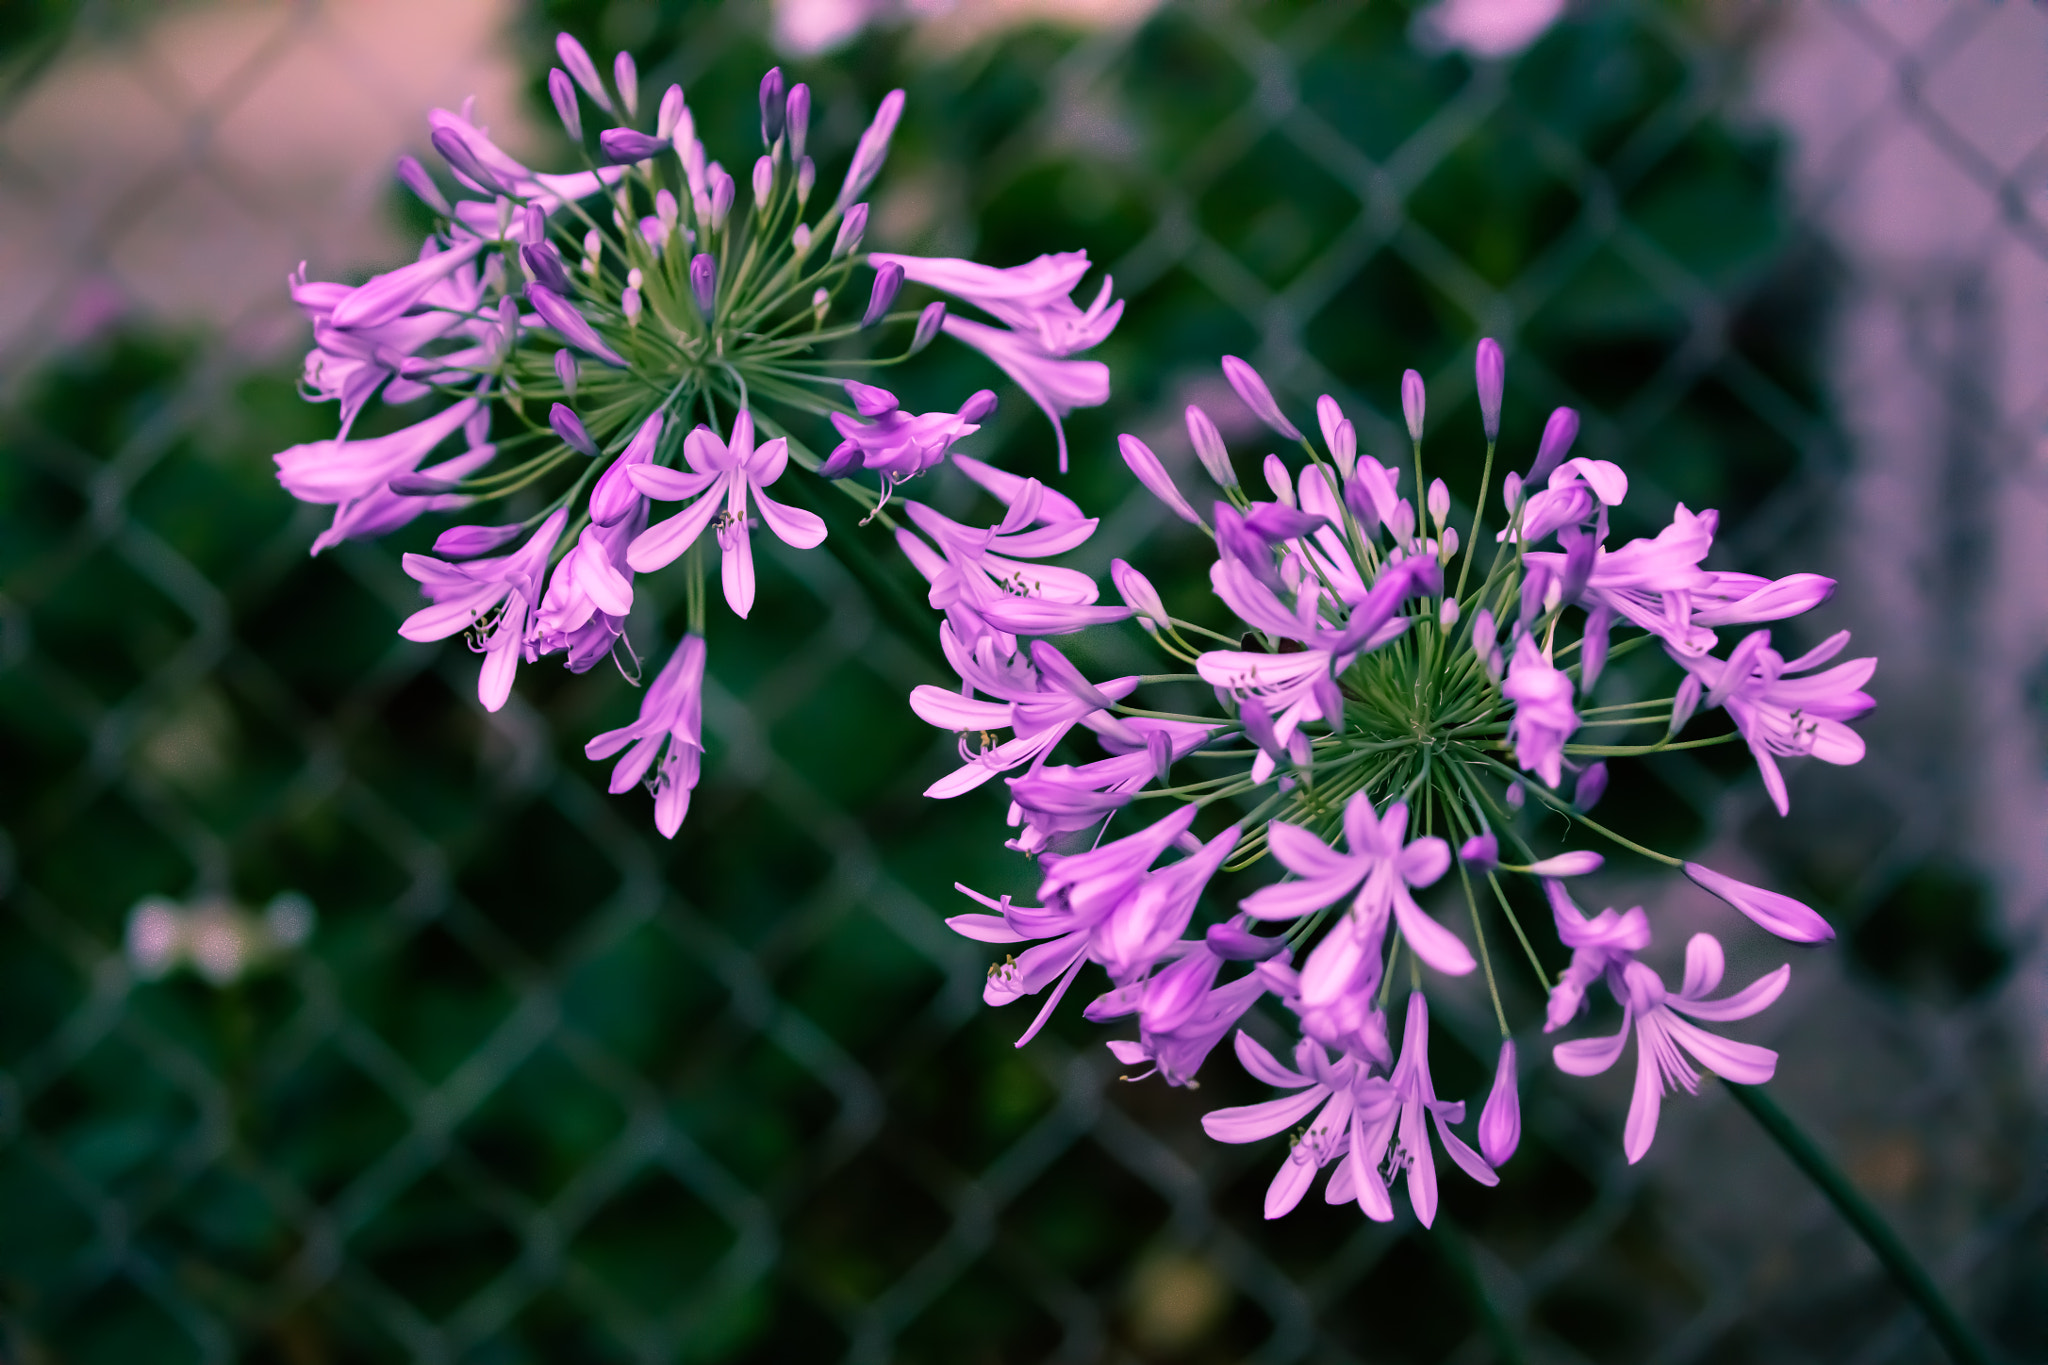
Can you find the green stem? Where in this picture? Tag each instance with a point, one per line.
(1907, 1273)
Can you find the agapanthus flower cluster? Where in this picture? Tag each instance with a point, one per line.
(1378, 696)
(609, 360)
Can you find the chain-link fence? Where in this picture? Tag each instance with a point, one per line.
(540, 1086)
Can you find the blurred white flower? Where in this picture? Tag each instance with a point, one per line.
(218, 939)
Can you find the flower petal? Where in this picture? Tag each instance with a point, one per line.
(1251, 1122)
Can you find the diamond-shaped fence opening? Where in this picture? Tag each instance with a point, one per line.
(542, 1086)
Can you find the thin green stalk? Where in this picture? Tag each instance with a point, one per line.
(1907, 1273)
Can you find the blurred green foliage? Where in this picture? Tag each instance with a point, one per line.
(546, 1088)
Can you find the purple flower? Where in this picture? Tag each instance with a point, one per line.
(628, 147)
(1544, 718)
(1489, 374)
(1251, 387)
(1413, 400)
(1182, 1015)
(1381, 866)
(1651, 583)
(558, 313)
(1774, 910)
(1209, 448)
(873, 148)
(1057, 386)
(1782, 716)
(1153, 475)
(1347, 1101)
(614, 498)
(1050, 801)
(888, 283)
(1558, 434)
(671, 718)
(1040, 705)
(1419, 1108)
(1663, 1038)
(1736, 598)
(590, 595)
(1597, 944)
(981, 577)
(583, 69)
(1081, 891)
(563, 93)
(735, 474)
(1579, 489)
(896, 444)
(1500, 1123)
(492, 598)
(339, 471)
(381, 511)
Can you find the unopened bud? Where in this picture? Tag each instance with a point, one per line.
(563, 92)
(1439, 501)
(704, 283)
(851, 229)
(627, 146)
(670, 113)
(1447, 616)
(797, 113)
(888, 280)
(821, 301)
(626, 76)
(668, 211)
(1489, 371)
(773, 108)
(806, 177)
(928, 323)
(1412, 401)
(629, 304)
(800, 239)
(723, 192)
(764, 183)
(463, 162)
(1558, 434)
(1209, 448)
(565, 370)
(422, 185)
(544, 264)
(569, 427)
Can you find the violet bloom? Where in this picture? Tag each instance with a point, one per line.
(1381, 866)
(1051, 801)
(590, 595)
(984, 581)
(896, 444)
(1650, 583)
(338, 471)
(382, 511)
(1080, 892)
(1578, 490)
(491, 598)
(1663, 1038)
(1251, 387)
(1347, 1101)
(670, 728)
(724, 478)
(1054, 700)
(1418, 1109)
(1045, 326)
(1773, 910)
(1781, 716)
(1544, 718)
(1344, 1012)
(1500, 1123)
(1182, 1015)
(1598, 945)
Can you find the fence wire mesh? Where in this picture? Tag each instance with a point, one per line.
(540, 1086)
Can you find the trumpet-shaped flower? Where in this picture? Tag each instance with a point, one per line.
(725, 478)
(1348, 1103)
(1665, 1034)
(493, 599)
(1781, 716)
(667, 738)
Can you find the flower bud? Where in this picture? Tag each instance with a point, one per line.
(1489, 371)
(670, 115)
(888, 280)
(422, 185)
(851, 229)
(704, 283)
(1500, 1123)
(928, 324)
(1481, 853)
(668, 211)
(463, 162)
(1340, 438)
(873, 149)
(764, 182)
(565, 370)
(1233, 942)
(806, 177)
(978, 406)
(544, 264)
(467, 542)
(1153, 475)
(1439, 502)
(773, 111)
(1447, 615)
(627, 146)
(583, 69)
(1558, 434)
(800, 239)
(1516, 796)
(569, 427)
(821, 300)
(1511, 490)
(1251, 387)
(626, 77)
(723, 191)
(1278, 479)
(1774, 910)
(1413, 400)
(1209, 449)
(1592, 785)
(1139, 595)
(629, 304)
(563, 93)
(797, 113)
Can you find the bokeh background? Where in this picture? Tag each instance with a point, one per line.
(542, 1087)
